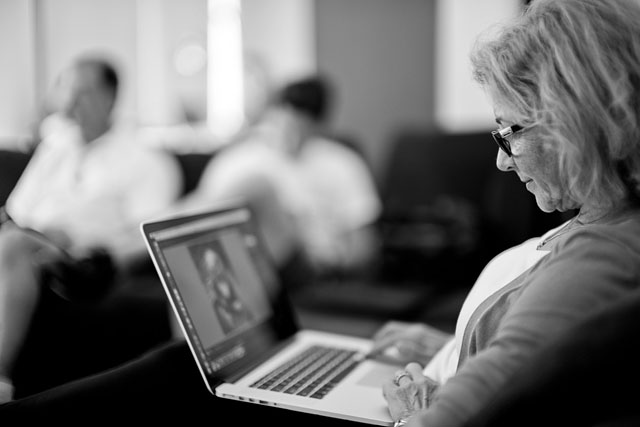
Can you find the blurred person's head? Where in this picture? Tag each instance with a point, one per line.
(310, 97)
(86, 93)
(304, 106)
(567, 75)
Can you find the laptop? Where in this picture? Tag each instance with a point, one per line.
(242, 330)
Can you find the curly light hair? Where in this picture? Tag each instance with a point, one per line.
(572, 68)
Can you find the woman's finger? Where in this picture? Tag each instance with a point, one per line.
(415, 370)
(415, 350)
(389, 329)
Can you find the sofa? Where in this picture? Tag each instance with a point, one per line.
(446, 203)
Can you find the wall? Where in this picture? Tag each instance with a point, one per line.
(282, 34)
(396, 63)
(66, 28)
(405, 64)
(164, 28)
(17, 89)
(379, 53)
(461, 106)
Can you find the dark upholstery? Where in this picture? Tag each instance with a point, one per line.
(425, 164)
(192, 166)
(446, 205)
(12, 164)
(433, 189)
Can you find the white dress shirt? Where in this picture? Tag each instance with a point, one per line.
(96, 194)
(326, 190)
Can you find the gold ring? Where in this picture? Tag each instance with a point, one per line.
(396, 379)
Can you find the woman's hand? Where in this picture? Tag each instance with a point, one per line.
(401, 343)
(408, 392)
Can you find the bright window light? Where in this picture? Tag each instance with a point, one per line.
(225, 106)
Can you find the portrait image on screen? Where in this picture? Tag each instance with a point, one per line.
(221, 286)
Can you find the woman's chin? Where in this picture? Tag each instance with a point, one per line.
(545, 205)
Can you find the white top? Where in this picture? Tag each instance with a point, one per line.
(327, 190)
(500, 271)
(97, 193)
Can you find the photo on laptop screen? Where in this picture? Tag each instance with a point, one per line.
(226, 295)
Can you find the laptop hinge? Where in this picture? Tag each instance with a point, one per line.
(250, 365)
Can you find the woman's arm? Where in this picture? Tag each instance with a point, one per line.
(590, 269)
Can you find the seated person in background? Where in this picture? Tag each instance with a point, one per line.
(564, 82)
(89, 182)
(82, 196)
(315, 198)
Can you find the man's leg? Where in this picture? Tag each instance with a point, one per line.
(21, 256)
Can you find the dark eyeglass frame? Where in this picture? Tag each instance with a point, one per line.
(500, 137)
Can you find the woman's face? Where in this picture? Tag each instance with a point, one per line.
(536, 165)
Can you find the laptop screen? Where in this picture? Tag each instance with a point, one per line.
(223, 287)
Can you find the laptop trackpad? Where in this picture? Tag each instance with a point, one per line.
(377, 374)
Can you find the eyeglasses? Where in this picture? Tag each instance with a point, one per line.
(500, 137)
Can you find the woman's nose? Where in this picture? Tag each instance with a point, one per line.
(503, 161)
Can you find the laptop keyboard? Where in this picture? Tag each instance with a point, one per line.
(313, 373)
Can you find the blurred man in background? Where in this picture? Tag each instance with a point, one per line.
(89, 183)
(70, 227)
(314, 196)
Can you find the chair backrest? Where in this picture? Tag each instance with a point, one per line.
(12, 164)
(425, 164)
(192, 166)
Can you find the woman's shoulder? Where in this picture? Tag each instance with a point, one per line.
(622, 233)
(596, 258)
(590, 266)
